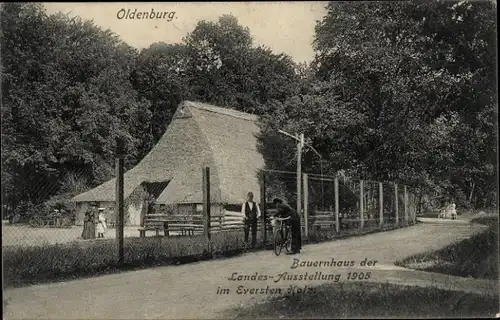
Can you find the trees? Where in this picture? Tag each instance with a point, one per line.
(227, 70)
(66, 99)
(401, 91)
(397, 91)
(160, 78)
(71, 90)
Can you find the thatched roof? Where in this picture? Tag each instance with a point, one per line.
(199, 135)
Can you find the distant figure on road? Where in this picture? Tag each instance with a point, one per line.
(250, 209)
(101, 223)
(89, 223)
(283, 210)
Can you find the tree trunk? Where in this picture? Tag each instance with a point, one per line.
(420, 202)
(472, 192)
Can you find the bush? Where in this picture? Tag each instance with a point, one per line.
(24, 211)
(62, 203)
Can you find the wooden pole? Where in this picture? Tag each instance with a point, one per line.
(414, 208)
(206, 204)
(306, 205)
(299, 173)
(406, 205)
(336, 191)
(361, 205)
(119, 209)
(381, 203)
(420, 195)
(263, 205)
(410, 205)
(396, 202)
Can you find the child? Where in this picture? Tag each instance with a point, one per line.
(101, 224)
(453, 211)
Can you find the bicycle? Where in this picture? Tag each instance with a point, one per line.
(282, 236)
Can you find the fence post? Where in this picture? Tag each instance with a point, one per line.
(406, 205)
(306, 204)
(299, 174)
(206, 205)
(414, 208)
(396, 200)
(336, 191)
(263, 205)
(381, 203)
(119, 208)
(410, 206)
(361, 205)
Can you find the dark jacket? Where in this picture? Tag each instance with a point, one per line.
(250, 213)
(283, 210)
(90, 215)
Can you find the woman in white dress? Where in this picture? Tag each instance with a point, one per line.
(101, 224)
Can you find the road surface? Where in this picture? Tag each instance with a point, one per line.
(190, 291)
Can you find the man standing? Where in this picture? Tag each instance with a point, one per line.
(250, 209)
(283, 210)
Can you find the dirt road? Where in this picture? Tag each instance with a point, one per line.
(190, 291)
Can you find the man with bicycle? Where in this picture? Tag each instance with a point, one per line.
(283, 210)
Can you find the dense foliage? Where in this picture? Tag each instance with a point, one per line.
(401, 91)
(66, 98)
(397, 91)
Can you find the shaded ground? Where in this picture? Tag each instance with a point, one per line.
(371, 300)
(475, 257)
(190, 291)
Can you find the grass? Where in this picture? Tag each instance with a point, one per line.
(328, 234)
(476, 257)
(371, 300)
(27, 265)
(38, 264)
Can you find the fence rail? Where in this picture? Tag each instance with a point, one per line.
(333, 203)
(330, 207)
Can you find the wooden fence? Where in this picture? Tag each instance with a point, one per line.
(376, 205)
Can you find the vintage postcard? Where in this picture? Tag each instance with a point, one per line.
(260, 160)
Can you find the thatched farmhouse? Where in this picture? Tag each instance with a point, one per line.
(199, 135)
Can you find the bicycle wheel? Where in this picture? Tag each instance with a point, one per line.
(288, 240)
(278, 242)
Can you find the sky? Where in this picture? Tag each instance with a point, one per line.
(285, 27)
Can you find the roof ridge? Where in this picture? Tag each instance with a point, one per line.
(225, 111)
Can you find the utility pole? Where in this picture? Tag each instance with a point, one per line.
(300, 146)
